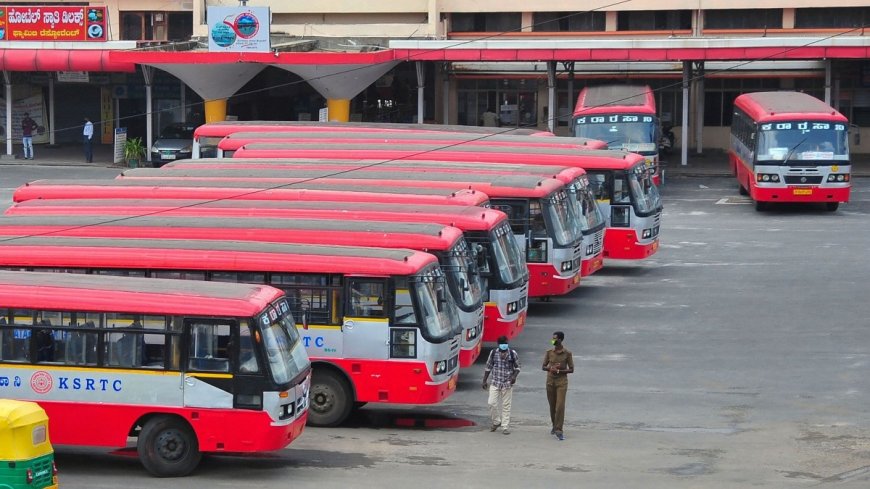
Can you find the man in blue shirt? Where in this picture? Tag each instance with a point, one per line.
(87, 137)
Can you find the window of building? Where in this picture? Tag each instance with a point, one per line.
(486, 22)
(156, 26)
(770, 18)
(831, 17)
(654, 20)
(568, 21)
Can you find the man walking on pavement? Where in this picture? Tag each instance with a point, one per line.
(27, 127)
(558, 363)
(504, 365)
(87, 137)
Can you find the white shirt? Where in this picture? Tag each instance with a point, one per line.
(89, 129)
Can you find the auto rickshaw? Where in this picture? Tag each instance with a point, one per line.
(26, 455)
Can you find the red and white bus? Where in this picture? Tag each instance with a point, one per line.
(230, 144)
(162, 360)
(207, 136)
(501, 263)
(247, 191)
(538, 209)
(621, 181)
(378, 324)
(624, 116)
(445, 242)
(790, 147)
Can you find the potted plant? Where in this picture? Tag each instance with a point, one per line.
(134, 150)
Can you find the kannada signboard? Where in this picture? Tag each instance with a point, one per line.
(238, 29)
(53, 23)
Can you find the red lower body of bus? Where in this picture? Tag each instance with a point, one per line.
(468, 357)
(217, 430)
(591, 265)
(494, 326)
(394, 381)
(798, 194)
(545, 281)
(621, 244)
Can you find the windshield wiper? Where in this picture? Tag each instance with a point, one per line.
(792, 150)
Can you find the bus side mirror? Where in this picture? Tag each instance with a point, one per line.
(439, 296)
(305, 306)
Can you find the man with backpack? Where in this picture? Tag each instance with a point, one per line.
(504, 366)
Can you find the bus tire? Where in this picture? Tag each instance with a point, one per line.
(742, 189)
(168, 447)
(760, 206)
(832, 206)
(330, 399)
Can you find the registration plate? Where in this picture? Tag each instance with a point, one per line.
(802, 191)
(451, 384)
(167, 156)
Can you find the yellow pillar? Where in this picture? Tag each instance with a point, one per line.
(339, 109)
(215, 110)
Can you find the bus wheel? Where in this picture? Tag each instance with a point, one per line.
(168, 447)
(742, 189)
(832, 206)
(760, 206)
(330, 399)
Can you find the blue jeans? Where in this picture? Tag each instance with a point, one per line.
(27, 141)
(89, 149)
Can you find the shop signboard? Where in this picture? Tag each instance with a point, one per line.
(238, 29)
(53, 23)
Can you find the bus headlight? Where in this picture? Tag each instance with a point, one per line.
(838, 177)
(441, 367)
(567, 266)
(512, 307)
(590, 249)
(767, 177)
(647, 233)
(471, 333)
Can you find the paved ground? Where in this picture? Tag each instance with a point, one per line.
(711, 163)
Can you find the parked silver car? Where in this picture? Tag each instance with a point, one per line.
(174, 143)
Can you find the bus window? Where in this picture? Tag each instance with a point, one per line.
(599, 184)
(248, 362)
(121, 273)
(621, 192)
(367, 298)
(239, 277)
(404, 307)
(208, 347)
(81, 347)
(403, 343)
(178, 275)
(536, 216)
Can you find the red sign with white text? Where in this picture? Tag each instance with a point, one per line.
(53, 23)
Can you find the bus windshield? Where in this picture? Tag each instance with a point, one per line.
(463, 277)
(440, 318)
(559, 217)
(643, 191)
(509, 259)
(802, 141)
(635, 133)
(585, 207)
(284, 351)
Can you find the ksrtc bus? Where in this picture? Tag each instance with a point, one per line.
(591, 221)
(538, 208)
(161, 360)
(207, 136)
(501, 263)
(447, 243)
(248, 191)
(625, 191)
(228, 145)
(624, 116)
(790, 147)
(378, 324)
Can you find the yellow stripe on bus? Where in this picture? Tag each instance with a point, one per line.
(318, 326)
(66, 368)
(370, 320)
(209, 376)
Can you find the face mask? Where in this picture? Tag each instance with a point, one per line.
(503, 347)
(552, 342)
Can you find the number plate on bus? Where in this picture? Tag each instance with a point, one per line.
(802, 191)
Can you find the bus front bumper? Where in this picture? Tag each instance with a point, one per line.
(544, 281)
(591, 265)
(467, 357)
(622, 244)
(495, 325)
(799, 194)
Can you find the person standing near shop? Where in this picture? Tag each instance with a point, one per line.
(87, 140)
(504, 365)
(27, 128)
(558, 363)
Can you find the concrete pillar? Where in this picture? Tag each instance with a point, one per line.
(51, 140)
(215, 110)
(182, 100)
(527, 21)
(421, 88)
(553, 111)
(684, 147)
(610, 20)
(445, 93)
(828, 82)
(148, 75)
(699, 108)
(7, 79)
(339, 109)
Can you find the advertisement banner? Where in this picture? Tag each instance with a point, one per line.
(33, 105)
(238, 29)
(107, 115)
(53, 23)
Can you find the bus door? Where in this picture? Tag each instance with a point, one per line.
(365, 329)
(207, 375)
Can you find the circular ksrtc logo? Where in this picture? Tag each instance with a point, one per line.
(41, 382)
(246, 25)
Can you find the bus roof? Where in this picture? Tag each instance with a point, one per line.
(565, 174)
(467, 218)
(588, 160)
(381, 234)
(218, 255)
(236, 140)
(223, 128)
(203, 190)
(786, 106)
(493, 185)
(609, 99)
(34, 290)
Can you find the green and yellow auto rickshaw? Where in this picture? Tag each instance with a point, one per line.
(26, 455)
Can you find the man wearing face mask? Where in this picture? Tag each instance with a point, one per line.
(504, 365)
(558, 363)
